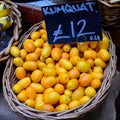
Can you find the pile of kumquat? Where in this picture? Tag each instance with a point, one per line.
(58, 77)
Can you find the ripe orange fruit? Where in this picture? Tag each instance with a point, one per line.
(65, 63)
(85, 79)
(100, 62)
(42, 59)
(91, 62)
(18, 61)
(20, 72)
(97, 75)
(90, 54)
(96, 83)
(74, 59)
(28, 45)
(35, 35)
(89, 72)
(66, 48)
(14, 51)
(74, 51)
(82, 46)
(22, 97)
(25, 82)
(74, 73)
(61, 107)
(30, 103)
(65, 55)
(68, 92)
(32, 57)
(46, 51)
(51, 98)
(64, 99)
(39, 97)
(77, 94)
(37, 87)
(104, 54)
(36, 75)
(90, 91)
(56, 53)
(30, 65)
(63, 78)
(44, 36)
(93, 44)
(61, 70)
(48, 90)
(48, 82)
(23, 53)
(83, 66)
(59, 88)
(30, 92)
(39, 104)
(50, 65)
(72, 84)
(47, 44)
(49, 60)
(42, 31)
(57, 65)
(41, 65)
(39, 43)
(47, 71)
(97, 69)
(84, 99)
(17, 88)
(38, 51)
(104, 43)
(73, 104)
(47, 107)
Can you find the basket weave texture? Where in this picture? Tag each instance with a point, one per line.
(110, 13)
(9, 80)
(16, 16)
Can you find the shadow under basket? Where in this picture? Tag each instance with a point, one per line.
(9, 79)
(11, 35)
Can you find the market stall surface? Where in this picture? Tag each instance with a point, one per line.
(106, 110)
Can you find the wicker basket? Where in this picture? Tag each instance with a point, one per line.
(9, 80)
(16, 16)
(110, 13)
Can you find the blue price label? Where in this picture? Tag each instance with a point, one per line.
(73, 22)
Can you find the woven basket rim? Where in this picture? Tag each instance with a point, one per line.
(16, 15)
(28, 112)
(114, 1)
(109, 4)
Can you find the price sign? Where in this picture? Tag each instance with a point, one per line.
(72, 22)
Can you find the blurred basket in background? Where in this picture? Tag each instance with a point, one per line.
(10, 36)
(110, 13)
(9, 79)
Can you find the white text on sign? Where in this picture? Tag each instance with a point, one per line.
(88, 7)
